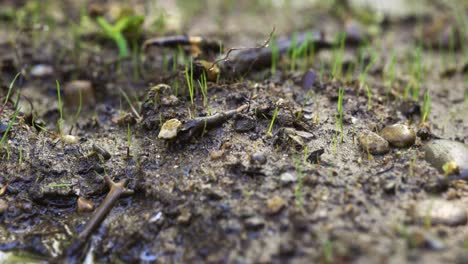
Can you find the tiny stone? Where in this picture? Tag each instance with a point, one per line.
(449, 153)
(288, 177)
(216, 154)
(3, 206)
(72, 92)
(169, 129)
(70, 139)
(309, 79)
(170, 100)
(41, 70)
(373, 143)
(244, 124)
(275, 204)
(3, 190)
(258, 157)
(399, 135)
(101, 151)
(185, 217)
(254, 222)
(84, 205)
(3, 127)
(439, 211)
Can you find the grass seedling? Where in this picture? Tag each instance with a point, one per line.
(364, 74)
(307, 49)
(340, 112)
(274, 55)
(10, 88)
(270, 128)
(363, 82)
(20, 159)
(328, 251)
(426, 107)
(390, 73)
(294, 52)
(298, 192)
(414, 82)
(189, 79)
(338, 55)
(10, 125)
(369, 97)
(417, 73)
(115, 32)
(134, 111)
(129, 139)
(203, 88)
(60, 108)
(339, 120)
(80, 106)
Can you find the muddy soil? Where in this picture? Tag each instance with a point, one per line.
(279, 177)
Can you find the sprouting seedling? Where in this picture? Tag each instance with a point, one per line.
(369, 97)
(10, 88)
(338, 56)
(115, 32)
(339, 120)
(274, 55)
(270, 128)
(10, 125)
(307, 49)
(60, 108)
(417, 73)
(390, 73)
(298, 192)
(328, 251)
(134, 111)
(340, 112)
(189, 79)
(363, 75)
(80, 105)
(294, 51)
(204, 88)
(129, 139)
(426, 106)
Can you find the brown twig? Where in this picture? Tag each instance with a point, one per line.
(117, 190)
(226, 55)
(199, 125)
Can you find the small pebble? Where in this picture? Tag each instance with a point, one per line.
(216, 154)
(69, 139)
(373, 143)
(399, 135)
(169, 129)
(244, 124)
(3, 190)
(275, 204)
(3, 127)
(84, 205)
(439, 211)
(288, 177)
(3, 206)
(442, 152)
(41, 70)
(254, 222)
(101, 151)
(72, 90)
(185, 217)
(258, 158)
(309, 79)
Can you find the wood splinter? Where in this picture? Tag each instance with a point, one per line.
(74, 253)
